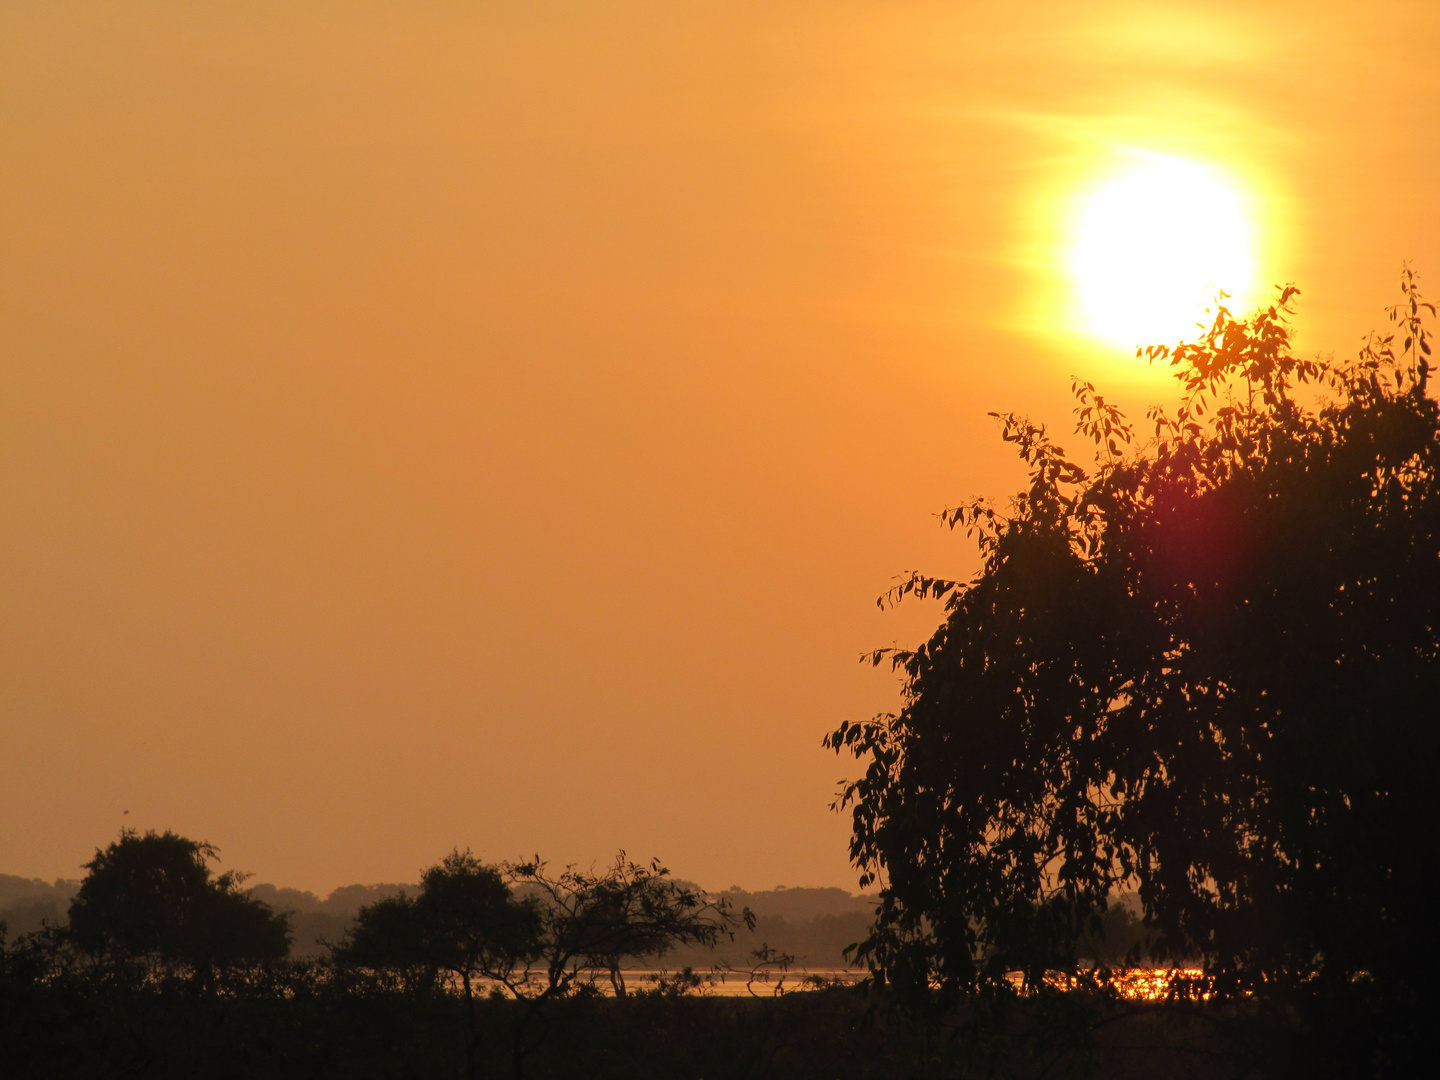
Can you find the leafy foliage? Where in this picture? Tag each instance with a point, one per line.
(465, 922)
(547, 938)
(153, 897)
(593, 921)
(1205, 669)
(532, 932)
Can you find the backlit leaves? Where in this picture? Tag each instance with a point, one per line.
(1193, 670)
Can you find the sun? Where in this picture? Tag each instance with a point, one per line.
(1153, 245)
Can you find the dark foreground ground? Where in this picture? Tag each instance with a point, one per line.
(274, 1032)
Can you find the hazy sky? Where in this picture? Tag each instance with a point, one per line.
(489, 424)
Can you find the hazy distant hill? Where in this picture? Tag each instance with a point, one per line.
(785, 903)
(314, 922)
(28, 903)
(812, 924)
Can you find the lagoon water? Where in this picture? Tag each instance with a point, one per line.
(1139, 984)
(743, 984)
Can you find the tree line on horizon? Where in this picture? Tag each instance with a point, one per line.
(813, 924)
(151, 912)
(155, 937)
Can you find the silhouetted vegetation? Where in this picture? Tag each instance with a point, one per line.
(165, 968)
(544, 954)
(812, 924)
(152, 897)
(304, 1019)
(1205, 669)
(547, 943)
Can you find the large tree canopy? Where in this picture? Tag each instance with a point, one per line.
(1206, 668)
(153, 896)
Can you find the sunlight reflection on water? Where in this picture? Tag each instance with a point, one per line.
(1155, 984)
(1137, 984)
(743, 983)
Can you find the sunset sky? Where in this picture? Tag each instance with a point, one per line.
(490, 424)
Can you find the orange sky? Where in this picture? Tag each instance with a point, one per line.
(489, 424)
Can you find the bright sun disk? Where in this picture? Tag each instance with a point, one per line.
(1152, 248)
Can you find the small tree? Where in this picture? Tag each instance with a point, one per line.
(591, 922)
(153, 897)
(465, 923)
(545, 939)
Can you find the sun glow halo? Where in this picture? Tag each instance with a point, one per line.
(1152, 247)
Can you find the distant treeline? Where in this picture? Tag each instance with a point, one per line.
(812, 924)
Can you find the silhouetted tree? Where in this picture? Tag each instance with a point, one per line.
(547, 939)
(465, 922)
(153, 897)
(591, 922)
(1206, 668)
